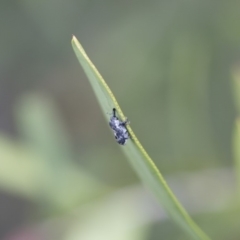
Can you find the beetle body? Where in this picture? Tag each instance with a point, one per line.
(119, 128)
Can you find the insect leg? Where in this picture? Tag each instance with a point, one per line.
(125, 122)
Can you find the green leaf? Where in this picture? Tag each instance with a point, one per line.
(136, 154)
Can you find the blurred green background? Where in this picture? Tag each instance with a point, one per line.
(174, 67)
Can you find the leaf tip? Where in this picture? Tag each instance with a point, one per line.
(74, 39)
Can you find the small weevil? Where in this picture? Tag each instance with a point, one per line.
(119, 128)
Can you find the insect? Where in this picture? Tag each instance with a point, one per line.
(119, 128)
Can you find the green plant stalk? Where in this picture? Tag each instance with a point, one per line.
(236, 153)
(138, 157)
(236, 131)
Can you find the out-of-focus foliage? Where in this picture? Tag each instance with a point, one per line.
(169, 62)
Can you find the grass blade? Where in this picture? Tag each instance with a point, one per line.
(138, 157)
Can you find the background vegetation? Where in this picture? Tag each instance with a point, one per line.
(174, 67)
